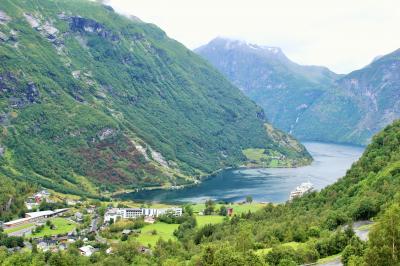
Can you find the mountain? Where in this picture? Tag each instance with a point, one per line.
(283, 88)
(94, 101)
(362, 103)
(311, 102)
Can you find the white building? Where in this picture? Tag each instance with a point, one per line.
(87, 250)
(133, 213)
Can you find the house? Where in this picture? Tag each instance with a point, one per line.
(31, 204)
(39, 196)
(229, 211)
(87, 250)
(47, 244)
(91, 209)
(78, 217)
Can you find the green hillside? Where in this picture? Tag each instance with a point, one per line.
(283, 88)
(313, 226)
(311, 102)
(362, 103)
(91, 101)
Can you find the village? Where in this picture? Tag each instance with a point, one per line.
(52, 225)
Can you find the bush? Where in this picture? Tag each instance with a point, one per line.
(283, 254)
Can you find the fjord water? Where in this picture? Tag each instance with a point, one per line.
(331, 161)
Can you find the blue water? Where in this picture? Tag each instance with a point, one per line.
(331, 161)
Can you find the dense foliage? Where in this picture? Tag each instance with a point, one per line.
(12, 198)
(317, 225)
(91, 100)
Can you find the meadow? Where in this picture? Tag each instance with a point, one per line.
(151, 233)
(62, 226)
(238, 208)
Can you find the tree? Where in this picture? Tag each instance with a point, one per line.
(355, 248)
(124, 237)
(188, 209)
(384, 239)
(249, 199)
(283, 254)
(223, 211)
(210, 205)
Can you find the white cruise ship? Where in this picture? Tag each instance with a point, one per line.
(301, 190)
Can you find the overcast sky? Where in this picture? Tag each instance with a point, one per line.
(342, 34)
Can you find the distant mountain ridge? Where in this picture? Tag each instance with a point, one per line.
(311, 102)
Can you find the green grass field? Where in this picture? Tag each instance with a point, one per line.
(255, 154)
(237, 208)
(258, 156)
(15, 229)
(63, 226)
(265, 251)
(208, 219)
(164, 231)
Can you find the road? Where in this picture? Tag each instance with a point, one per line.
(93, 225)
(361, 233)
(335, 262)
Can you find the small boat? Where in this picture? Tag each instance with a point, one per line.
(301, 190)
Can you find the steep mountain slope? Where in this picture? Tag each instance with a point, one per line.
(91, 100)
(362, 103)
(283, 88)
(308, 101)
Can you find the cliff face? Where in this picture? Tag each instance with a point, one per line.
(283, 88)
(359, 105)
(311, 102)
(94, 101)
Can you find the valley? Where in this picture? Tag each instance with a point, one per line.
(121, 146)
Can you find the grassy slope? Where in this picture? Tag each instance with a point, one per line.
(164, 231)
(208, 219)
(62, 96)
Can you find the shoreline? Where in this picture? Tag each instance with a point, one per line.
(116, 195)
